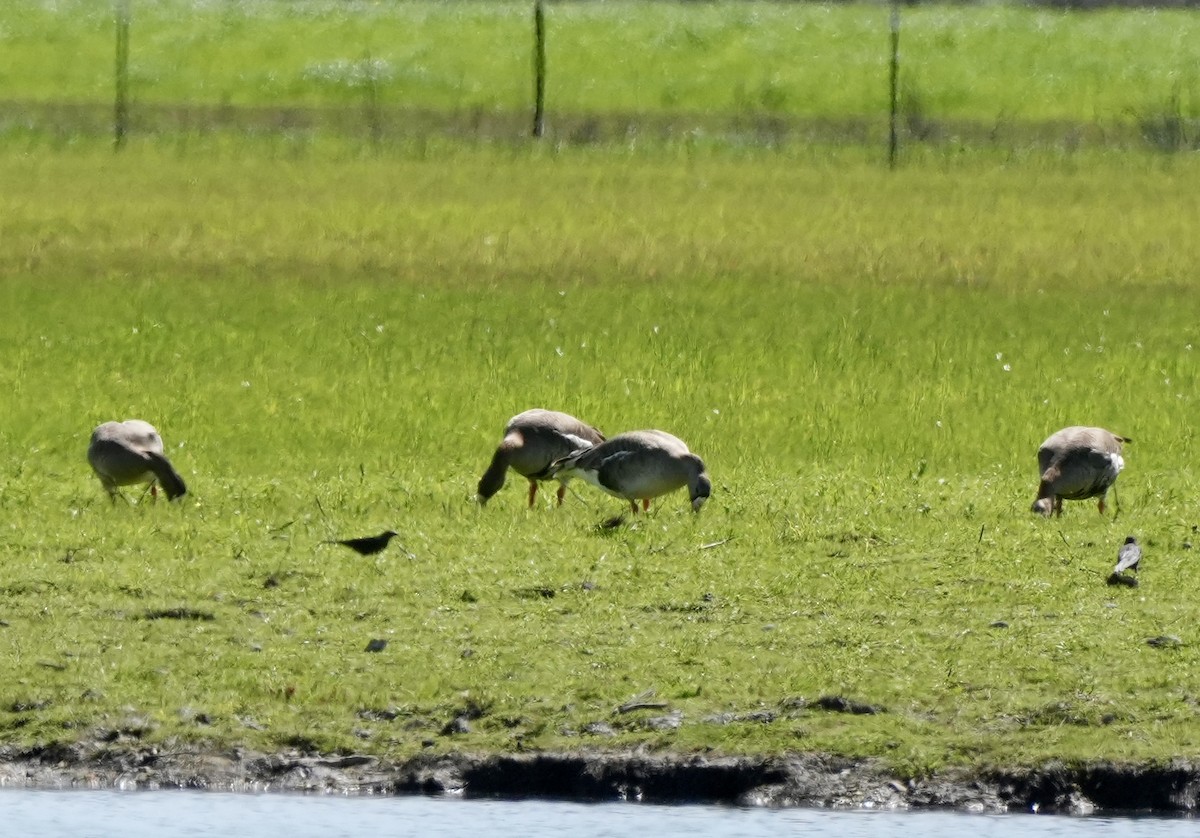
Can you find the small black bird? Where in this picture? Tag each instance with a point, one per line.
(367, 546)
(1128, 556)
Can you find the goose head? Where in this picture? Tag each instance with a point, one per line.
(700, 490)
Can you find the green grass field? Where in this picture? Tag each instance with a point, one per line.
(331, 336)
(867, 362)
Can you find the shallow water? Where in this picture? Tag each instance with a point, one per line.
(184, 813)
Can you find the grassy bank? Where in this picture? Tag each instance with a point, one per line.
(997, 67)
(867, 364)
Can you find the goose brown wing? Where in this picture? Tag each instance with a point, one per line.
(616, 470)
(545, 446)
(1086, 472)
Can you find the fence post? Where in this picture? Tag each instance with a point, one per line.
(894, 83)
(539, 68)
(121, 103)
(371, 100)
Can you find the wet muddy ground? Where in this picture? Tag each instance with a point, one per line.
(801, 780)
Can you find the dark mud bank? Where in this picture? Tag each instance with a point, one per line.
(802, 780)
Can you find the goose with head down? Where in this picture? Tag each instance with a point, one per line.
(532, 441)
(131, 452)
(640, 465)
(1077, 463)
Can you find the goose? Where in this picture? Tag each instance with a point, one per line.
(639, 465)
(1077, 463)
(532, 441)
(129, 452)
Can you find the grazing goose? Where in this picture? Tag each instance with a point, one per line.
(1077, 463)
(124, 453)
(639, 465)
(1129, 556)
(532, 441)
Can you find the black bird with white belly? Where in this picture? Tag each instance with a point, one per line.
(1129, 556)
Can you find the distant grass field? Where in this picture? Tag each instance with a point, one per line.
(867, 362)
(998, 68)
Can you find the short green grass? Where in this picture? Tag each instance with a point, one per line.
(867, 362)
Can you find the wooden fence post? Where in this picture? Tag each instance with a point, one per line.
(121, 103)
(539, 68)
(894, 84)
(371, 105)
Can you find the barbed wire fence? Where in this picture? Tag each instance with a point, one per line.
(370, 80)
(1166, 129)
